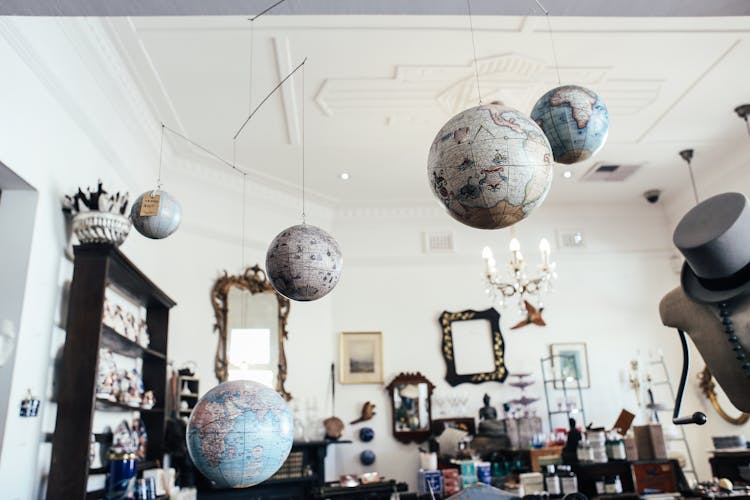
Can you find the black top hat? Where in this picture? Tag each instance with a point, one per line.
(714, 237)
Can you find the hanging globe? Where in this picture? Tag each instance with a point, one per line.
(574, 120)
(490, 166)
(159, 217)
(303, 262)
(240, 433)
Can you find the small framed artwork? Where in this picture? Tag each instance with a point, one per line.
(570, 363)
(361, 358)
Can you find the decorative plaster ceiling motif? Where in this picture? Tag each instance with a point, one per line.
(513, 79)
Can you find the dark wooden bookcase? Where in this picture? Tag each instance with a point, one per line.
(97, 266)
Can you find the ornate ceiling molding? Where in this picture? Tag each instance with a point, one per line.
(514, 79)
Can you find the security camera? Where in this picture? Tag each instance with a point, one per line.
(652, 195)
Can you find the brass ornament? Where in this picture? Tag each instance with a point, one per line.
(708, 388)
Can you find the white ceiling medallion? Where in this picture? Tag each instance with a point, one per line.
(513, 79)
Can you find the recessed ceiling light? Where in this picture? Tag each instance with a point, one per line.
(344, 176)
(567, 174)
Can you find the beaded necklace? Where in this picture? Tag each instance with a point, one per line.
(739, 351)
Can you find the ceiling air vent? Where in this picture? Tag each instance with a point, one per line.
(607, 172)
(438, 242)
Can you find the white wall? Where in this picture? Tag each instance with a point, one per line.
(607, 296)
(17, 205)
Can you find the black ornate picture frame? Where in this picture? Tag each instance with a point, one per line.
(500, 373)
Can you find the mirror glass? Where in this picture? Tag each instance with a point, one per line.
(253, 336)
(410, 395)
(251, 326)
(411, 404)
(472, 347)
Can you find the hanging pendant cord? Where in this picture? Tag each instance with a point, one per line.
(692, 181)
(267, 97)
(266, 10)
(204, 149)
(161, 156)
(303, 144)
(250, 79)
(474, 46)
(551, 40)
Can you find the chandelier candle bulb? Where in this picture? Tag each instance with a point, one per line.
(545, 249)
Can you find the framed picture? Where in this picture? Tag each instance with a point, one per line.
(570, 363)
(361, 358)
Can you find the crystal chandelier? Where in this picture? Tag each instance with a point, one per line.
(518, 284)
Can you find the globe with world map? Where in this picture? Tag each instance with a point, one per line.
(575, 121)
(490, 166)
(163, 222)
(240, 433)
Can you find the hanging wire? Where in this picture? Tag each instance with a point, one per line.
(687, 155)
(161, 155)
(277, 87)
(256, 16)
(250, 79)
(551, 40)
(474, 46)
(204, 149)
(303, 145)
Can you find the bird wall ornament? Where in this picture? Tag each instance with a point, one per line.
(368, 411)
(533, 315)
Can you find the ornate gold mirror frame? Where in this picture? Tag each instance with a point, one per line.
(708, 388)
(254, 280)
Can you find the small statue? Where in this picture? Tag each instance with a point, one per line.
(570, 450)
(487, 412)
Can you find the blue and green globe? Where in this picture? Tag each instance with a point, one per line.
(240, 433)
(575, 121)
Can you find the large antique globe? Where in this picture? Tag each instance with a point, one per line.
(575, 121)
(240, 433)
(304, 262)
(164, 222)
(490, 166)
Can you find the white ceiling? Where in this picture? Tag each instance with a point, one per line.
(378, 88)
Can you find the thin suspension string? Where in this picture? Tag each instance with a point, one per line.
(277, 87)
(250, 80)
(474, 47)
(204, 149)
(303, 144)
(551, 40)
(161, 157)
(266, 10)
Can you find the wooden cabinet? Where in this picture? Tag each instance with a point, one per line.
(97, 267)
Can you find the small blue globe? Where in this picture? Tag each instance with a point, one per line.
(367, 457)
(161, 225)
(240, 433)
(366, 434)
(575, 121)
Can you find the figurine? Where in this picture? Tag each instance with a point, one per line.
(570, 450)
(107, 379)
(131, 331)
(138, 431)
(142, 336)
(368, 411)
(148, 400)
(123, 439)
(487, 412)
